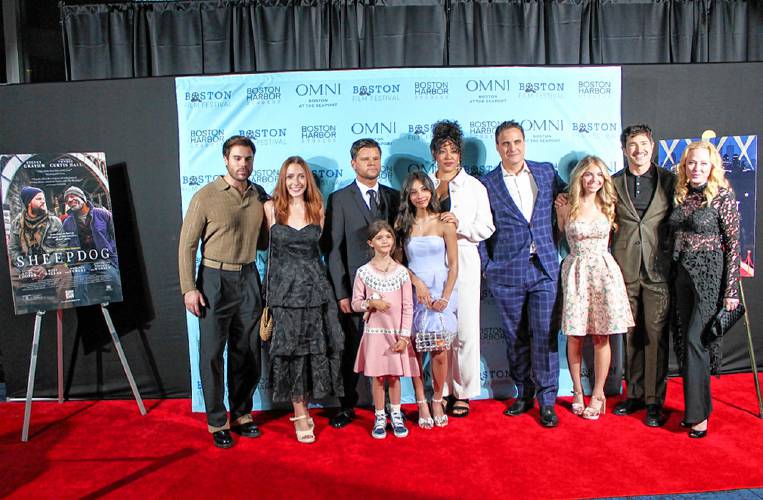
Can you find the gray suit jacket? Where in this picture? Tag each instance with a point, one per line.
(345, 235)
(646, 241)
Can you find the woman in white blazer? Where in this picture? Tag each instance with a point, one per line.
(465, 203)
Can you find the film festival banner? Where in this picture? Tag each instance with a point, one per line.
(59, 231)
(740, 161)
(567, 113)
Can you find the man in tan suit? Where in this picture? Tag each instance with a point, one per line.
(641, 246)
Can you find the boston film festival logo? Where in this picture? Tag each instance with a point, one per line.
(375, 92)
(206, 99)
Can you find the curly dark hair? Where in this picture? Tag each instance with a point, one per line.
(446, 131)
(639, 128)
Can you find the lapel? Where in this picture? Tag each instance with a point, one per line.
(499, 187)
(360, 202)
(621, 186)
(658, 200)
(539, 187)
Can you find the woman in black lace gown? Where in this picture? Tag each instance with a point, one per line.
(706, 251)
(306, 347)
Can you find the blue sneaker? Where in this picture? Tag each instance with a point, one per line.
(398, 425)
(380, 426)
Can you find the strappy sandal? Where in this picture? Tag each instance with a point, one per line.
(442, 420)
(577, 404)
(593, 413)
(307, 436)
(460, 411)
(424, 422)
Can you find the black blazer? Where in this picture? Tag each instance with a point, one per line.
(345, 234)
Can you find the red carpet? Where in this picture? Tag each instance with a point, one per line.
(105, 448)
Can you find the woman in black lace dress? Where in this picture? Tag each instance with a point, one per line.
(706, 251)
(306, 348)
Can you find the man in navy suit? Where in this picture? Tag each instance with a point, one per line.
(521, 265)
(349, 212)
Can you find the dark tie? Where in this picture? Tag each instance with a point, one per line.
(373, 205)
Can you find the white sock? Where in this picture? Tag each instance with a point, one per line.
(394, 408)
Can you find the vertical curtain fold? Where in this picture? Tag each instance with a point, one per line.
(122, 40)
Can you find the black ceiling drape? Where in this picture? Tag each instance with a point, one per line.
(227, 36)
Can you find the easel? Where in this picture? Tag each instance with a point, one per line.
(751, 349)
(59, 334)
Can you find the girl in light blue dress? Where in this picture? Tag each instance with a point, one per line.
(431, 250)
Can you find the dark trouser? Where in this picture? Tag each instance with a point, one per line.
(352, 324)
(533, 355)
(696, 364)
(646, 364)
(232, 315)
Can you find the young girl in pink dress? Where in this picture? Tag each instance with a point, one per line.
(383, 290)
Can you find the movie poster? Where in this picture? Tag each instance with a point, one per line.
(740, 161)
(59, 231)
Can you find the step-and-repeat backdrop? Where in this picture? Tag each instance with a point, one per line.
(567, 113)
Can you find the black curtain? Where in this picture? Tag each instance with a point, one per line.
(121, 40)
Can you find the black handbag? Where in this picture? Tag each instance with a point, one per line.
(724, 320)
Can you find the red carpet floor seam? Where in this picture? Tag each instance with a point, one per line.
(95, 449)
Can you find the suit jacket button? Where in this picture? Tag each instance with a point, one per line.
(638, 243)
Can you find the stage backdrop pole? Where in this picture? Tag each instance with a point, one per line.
(751, 348)
(122, 358)
(32, 370)
(60, 350)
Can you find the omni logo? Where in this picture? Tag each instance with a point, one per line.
(531, 125)
(320, 89)
(376, 128)
(487, 85)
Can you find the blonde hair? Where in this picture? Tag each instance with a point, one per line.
(715, 181)
(605, 197)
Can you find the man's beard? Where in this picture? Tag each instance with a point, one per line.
(36, 212)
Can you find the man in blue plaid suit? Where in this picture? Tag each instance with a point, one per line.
(521, 265)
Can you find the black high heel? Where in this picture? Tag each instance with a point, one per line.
(695, 434)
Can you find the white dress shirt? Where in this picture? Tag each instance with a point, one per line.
(364, 191)
(523, 191)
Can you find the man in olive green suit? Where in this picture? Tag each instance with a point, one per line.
(641, 246)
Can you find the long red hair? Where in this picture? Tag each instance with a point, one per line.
(313, 197)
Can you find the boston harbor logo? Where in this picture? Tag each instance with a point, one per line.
(594, 88)
(266, 94)
(318, 133)
(430, 89)
(200, 137)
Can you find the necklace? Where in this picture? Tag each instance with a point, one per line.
(378, 266)
(420, 222)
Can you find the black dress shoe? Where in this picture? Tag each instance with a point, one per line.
(548, 417)
(655, 417)
(694, 434)
(628, 406)
(248, 430)
(519, 407)
(222, 439)
(342, 418)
